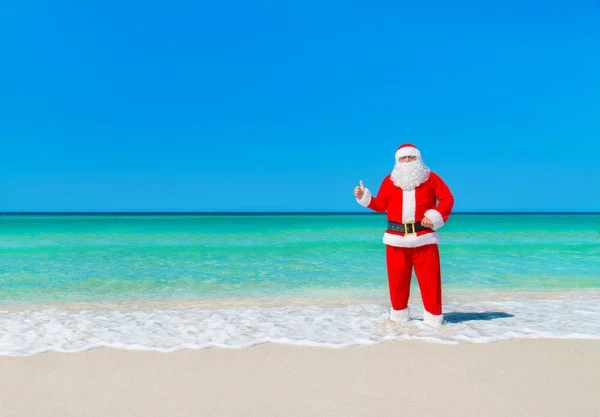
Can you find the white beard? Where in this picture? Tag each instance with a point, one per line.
(409, 175)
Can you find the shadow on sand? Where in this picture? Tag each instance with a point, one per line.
(459, 317)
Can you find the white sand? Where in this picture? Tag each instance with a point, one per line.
(512, 378)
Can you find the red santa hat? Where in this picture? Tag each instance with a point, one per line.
(408, 150)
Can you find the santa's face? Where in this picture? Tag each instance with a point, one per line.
(409, 172)
(408, 158)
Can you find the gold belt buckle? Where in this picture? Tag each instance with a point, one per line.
(413, 228)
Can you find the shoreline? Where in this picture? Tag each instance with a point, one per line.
(334, 298)
(264, 213)
(173, 325)
(516, 377)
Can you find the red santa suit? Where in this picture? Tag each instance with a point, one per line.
(431, 199)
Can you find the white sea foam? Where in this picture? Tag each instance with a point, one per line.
(25, 332)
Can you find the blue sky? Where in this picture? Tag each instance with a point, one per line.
(285, 106)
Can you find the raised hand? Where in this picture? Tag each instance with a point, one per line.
(359, 191)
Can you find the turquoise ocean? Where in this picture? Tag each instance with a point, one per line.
(168, 282)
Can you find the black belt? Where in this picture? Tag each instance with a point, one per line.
(409, 228)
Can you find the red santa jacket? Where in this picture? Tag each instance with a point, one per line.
(404, 206)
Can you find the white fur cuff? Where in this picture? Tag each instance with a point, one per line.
(400, 316)
(435, 217)
(366, 198)
(432, 319)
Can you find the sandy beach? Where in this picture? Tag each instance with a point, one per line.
(531, 377)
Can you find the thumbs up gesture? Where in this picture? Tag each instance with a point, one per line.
(359, 191)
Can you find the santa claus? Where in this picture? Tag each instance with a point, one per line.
(418, 203)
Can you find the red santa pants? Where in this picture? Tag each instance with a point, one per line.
(426, 260)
